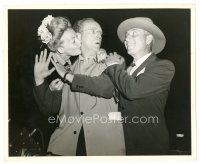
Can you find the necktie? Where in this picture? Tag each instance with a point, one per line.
(130, 67)
(132, 64)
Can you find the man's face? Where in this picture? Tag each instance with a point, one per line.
(135, 41)
(70, 44)
(91, 35)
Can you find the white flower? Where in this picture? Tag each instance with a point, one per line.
(43, 32)
(46, 21)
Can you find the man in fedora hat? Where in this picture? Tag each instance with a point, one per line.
(143, 87)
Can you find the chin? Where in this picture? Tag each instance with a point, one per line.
(130, 52)
(77, 53)
(97, 49)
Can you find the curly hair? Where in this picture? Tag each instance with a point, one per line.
(57, 27)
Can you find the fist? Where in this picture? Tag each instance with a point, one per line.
(114, 58)
(101, 55)
(56, 85)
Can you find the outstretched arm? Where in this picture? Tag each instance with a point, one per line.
(100, 86)
(155, 79)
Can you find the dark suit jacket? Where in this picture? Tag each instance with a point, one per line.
(142, 102)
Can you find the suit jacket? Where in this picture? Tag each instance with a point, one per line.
(143, 97)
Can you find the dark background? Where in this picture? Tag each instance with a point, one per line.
(23, 44)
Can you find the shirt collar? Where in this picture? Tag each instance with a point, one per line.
(142, 59)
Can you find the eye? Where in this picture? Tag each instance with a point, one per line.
(73, 40)
(93, 31)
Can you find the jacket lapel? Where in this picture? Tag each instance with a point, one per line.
(144, 64)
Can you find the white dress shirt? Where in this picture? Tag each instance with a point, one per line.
(138, 63)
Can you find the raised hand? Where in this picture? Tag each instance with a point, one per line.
(56, 85)
(114, 58)
(41, 70)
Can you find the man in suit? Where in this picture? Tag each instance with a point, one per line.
(143, 87)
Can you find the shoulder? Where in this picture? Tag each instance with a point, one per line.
(162, 63)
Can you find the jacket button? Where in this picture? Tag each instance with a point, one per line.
(74, 132)
(82, 113)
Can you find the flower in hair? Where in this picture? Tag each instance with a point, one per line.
(43, 32)
(46, 21)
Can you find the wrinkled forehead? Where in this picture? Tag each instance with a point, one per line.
(90, 24)
(134, 31)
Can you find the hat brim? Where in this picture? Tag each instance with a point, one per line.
(159, 38)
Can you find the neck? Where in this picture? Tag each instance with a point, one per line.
(87, 52)
(139, 55)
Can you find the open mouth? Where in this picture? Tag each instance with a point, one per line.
(97, 43)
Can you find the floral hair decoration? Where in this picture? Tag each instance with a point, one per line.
(43, 32)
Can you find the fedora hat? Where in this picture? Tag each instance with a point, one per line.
(147, 25)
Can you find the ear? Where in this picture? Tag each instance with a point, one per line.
(60, 50)
(125, 43)
(149, 39)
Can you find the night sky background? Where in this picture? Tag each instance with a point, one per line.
(23, 44)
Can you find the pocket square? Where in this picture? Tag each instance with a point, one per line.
(142, 71)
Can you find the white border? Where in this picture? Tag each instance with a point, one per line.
(149, 5)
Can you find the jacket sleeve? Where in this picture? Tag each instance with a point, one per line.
(49, 102)
(100, 86)
(155, 79)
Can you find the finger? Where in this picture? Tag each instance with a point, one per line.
(58, 84)
(49, 57)
(54, 58)
(41, 55)
(60, 59)
(45, 55)
(115, 53)
(51, 70)
(55, 65)
(36, 59)
(55, 81)
(61, 86)
(46, 74)
(111, 54)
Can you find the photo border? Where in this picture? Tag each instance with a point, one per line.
(190, 6)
